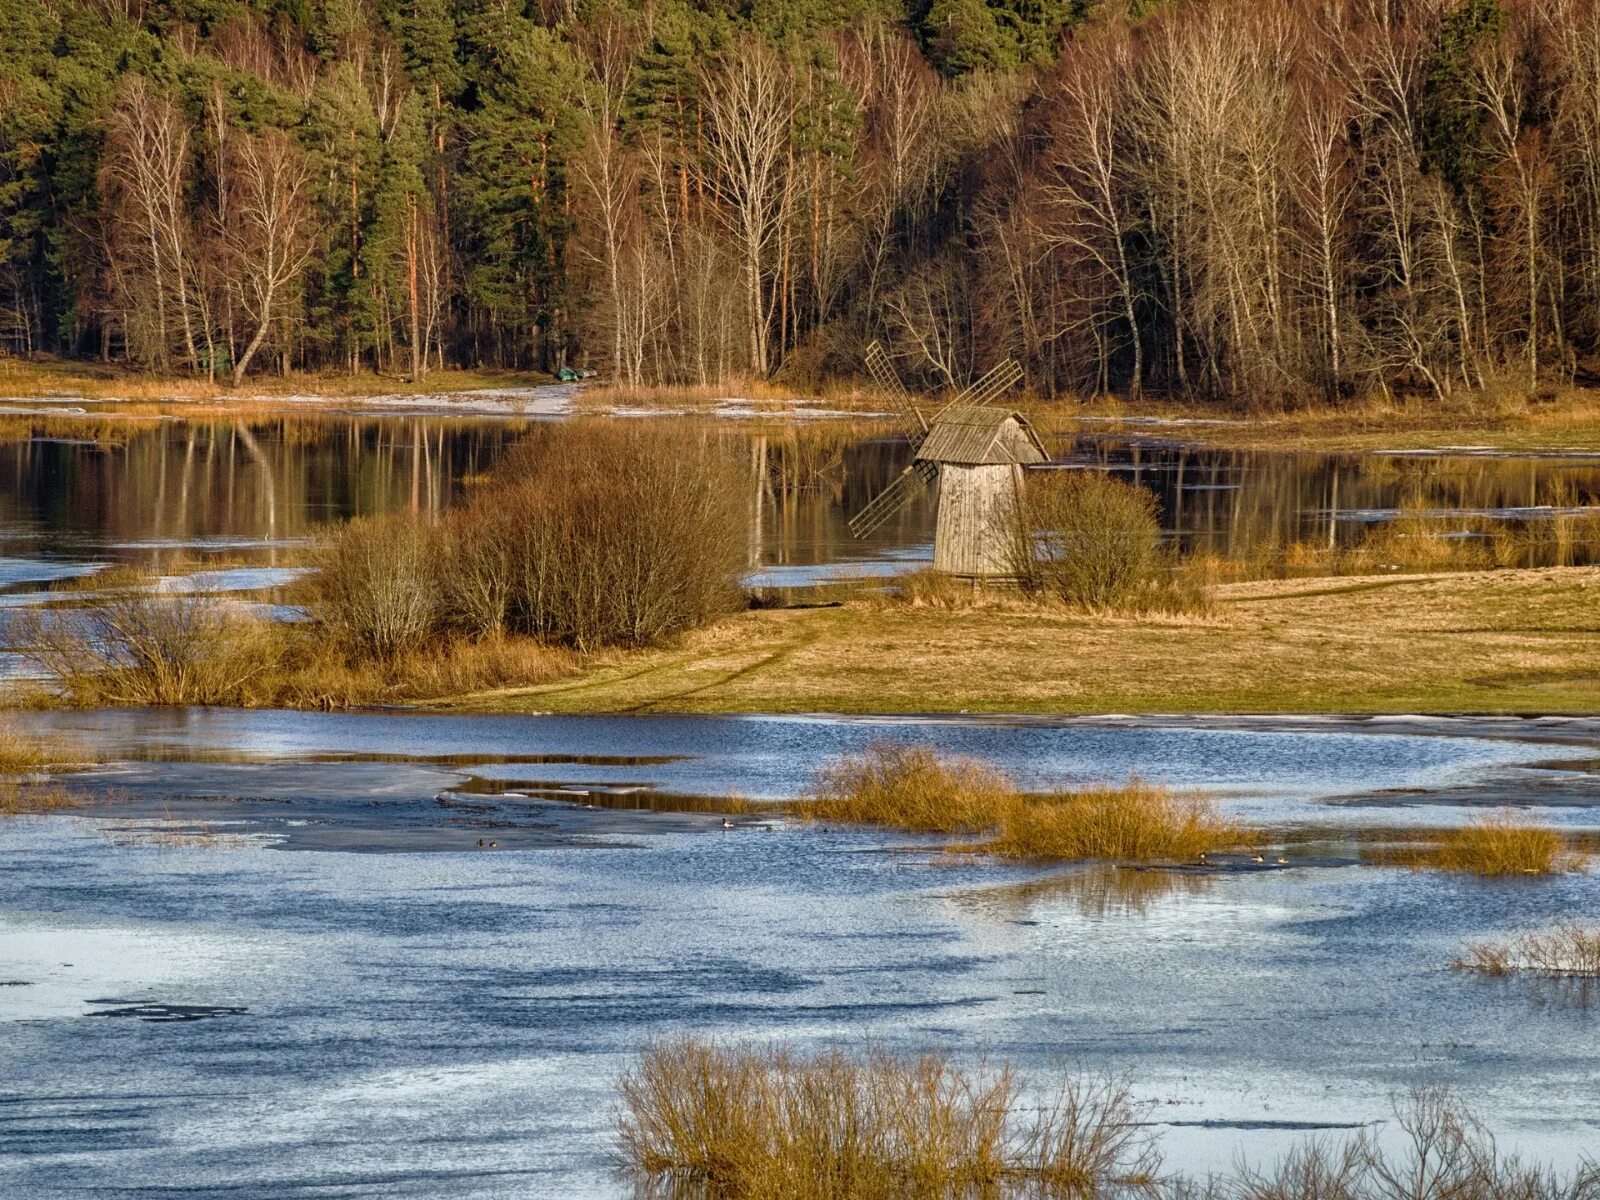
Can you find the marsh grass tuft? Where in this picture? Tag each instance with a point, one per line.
(914, 788)
(17, 800)
(1566, 952)
(1134, 822)
(26, 754)
(1503, 844)
(763, 1123)
(741, 1122)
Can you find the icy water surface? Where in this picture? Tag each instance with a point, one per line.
(239, 980)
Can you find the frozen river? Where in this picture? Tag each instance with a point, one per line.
(276, 964)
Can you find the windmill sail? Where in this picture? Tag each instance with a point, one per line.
(901, 492)
(883, 374)
(991, 387)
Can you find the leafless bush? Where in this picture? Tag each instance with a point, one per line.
(612, 535)
(130, 646)
(1088, 540)
(376, 588)
(1567, 952)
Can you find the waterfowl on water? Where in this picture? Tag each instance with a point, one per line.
(494, 845)
(1282, 860)
(727, 824)
(1258, 858)
(480, 843)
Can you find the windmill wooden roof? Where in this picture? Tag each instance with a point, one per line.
(978, 434)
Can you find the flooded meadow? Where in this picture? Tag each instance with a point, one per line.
(294, 954)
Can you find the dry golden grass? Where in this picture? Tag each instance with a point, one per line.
(1499, 416)
(1502, 844)
(914, 788)
(741, 1122)
(1499, 641)
(17, 800)
(321, 676)
(25, 754)
(93, 381)
(1136, 822)
(1566, 952)
(757, 1123)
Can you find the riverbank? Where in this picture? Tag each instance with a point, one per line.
(1565, 421)
(1482, 642)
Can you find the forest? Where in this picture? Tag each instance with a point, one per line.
(1270, 201)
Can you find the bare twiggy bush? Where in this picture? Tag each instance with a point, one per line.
(910, 787)
(1136, 822)
(618, 534)
(1091, 542)
(766, 1124)
(377, 588)
(1313, 1170)
(1566, 952)
(136, 647)
(1087, 1136)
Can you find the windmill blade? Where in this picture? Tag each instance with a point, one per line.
(901, 492)
(991, 387)
(888, 381)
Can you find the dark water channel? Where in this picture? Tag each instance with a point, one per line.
(252, 491)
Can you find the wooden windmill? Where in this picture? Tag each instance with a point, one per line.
(974, 452)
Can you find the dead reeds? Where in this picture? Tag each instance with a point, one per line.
(1566, 952)
(17, 800)
(743, 1122)
(1134, 822)
(764, 1123)
(1503, 844)
(914, 788)
(26, 754)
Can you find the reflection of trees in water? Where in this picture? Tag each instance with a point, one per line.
(1236, 504)
(283, 476)
(807, 481)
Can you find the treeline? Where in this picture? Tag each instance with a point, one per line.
(1285, 201)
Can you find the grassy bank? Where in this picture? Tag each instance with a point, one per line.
(1496, 642)
(1568, 419)
(92, 381)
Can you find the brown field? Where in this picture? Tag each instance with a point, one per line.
(1488, 642)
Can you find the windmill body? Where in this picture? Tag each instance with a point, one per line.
(980, 452)
(974, 454)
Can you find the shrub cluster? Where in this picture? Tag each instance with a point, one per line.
(588, 536)
(1093, 542)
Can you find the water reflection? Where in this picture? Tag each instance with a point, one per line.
(257, 488)
(1097, 892)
